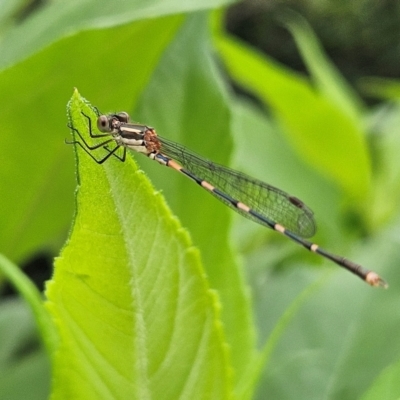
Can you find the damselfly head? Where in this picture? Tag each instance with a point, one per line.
(103, 123)
(112, 122)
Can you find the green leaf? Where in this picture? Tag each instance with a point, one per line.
(324, 73)
(261, 363)
(186, 101)
(380, 88)
(32, 296)
(386, 386)
(56, 20)
(135, 313)
(35, 161)
(342, 338)
(321, 133)
(24, 364)
(385, 120)
(9, 9)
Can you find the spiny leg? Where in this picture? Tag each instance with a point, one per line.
(86, 143)
(92, 135)
(101, 161)
(121, 158)
(85, 146)
(96, 111)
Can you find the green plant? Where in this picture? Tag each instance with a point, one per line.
(135, 312)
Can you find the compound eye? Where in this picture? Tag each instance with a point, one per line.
(103, 124)
(123, 117)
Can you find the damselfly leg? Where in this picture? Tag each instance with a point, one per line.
(88, 148)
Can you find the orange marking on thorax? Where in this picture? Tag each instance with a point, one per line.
(152, 143)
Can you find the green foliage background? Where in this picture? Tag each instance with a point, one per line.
(144, 304)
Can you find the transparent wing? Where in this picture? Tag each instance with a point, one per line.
(272, 203)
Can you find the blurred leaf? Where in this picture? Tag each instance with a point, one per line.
(25, 369)
(32, 296)
(306, 351)
(254, 373)
(59, 19)
(384, 122)
(380, 88)
(320, 132)
(323, 352)
(329, 80)
(386, 386)
(134, 310)
(8, 9)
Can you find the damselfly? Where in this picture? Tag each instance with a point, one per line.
(250, 197)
